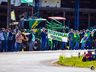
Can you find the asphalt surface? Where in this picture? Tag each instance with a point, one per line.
(41, 61)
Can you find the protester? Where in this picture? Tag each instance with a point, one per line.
(84, 40)
(94, 38)
(24, 42)
(64, 46)
(89, 42)
(9, 39)
(55, 45)
(18, 43)
(76, 40)
(1, 41)
(14, 40)
(43, 39)
(31, 40)
(4, 43)
(71, 39)
(87, 57)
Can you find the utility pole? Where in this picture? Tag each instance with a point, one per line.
(89, 20)
(77, 15)
(37, 4)
(8, 12)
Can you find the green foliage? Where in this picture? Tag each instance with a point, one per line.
(61, 58)
(75, 62)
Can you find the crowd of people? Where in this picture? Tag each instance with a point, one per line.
(15, 40)
(19, 40)
(83, 39)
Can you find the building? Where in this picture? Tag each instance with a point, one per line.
(19, 9)
(65, 8)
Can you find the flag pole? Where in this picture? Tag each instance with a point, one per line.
(8, 13)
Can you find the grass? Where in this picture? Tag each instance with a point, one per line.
(75, 62)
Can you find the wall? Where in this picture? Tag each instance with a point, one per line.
(15, 2)
(50, 3)
(3, 1)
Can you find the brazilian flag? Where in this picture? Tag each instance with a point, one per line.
(34, 23)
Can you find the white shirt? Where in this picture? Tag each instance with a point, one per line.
(1, 36)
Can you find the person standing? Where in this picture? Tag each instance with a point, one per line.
(84, 40)
(77, 40)
(71, 39)
(94, 38)
(2, 40)
(55, 45)
(9, 39)
(43, 39)
(31, 40)
(89, 42)
(18, 43)
(24, 42)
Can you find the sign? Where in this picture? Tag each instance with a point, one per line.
(50, 3)
(13, 16)
(30, 2)
(59, 36)
(26, 1)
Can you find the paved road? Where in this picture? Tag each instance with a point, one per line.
(36, 62)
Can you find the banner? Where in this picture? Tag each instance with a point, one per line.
(59, 36)
(30, 2)
(85, 38)
(26, 1)
(13, 16)
(17, 2)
